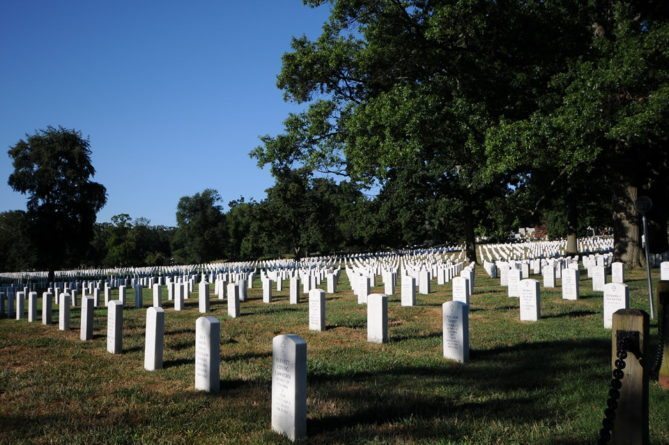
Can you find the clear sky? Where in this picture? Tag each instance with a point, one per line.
(172, 94)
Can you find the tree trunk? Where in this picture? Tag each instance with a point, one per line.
(572, 223)
(626, 232)
(470, 236)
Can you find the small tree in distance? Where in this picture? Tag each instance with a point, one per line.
(53, 167)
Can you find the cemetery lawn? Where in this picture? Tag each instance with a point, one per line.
(526, 383)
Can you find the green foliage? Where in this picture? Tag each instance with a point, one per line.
(53, 168)
(417, 86)
(200, 235)
(15, 245)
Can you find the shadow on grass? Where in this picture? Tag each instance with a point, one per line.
(405, 337)
(272, 310)
(582, 313)
(512, 383)
(247, 356)
(181, 331)
(178, 362)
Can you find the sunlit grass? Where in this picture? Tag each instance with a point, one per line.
(543, 382)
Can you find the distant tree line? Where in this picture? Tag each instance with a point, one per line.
(301, 215)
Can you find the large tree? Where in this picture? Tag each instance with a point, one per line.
(200, 235)
(600, 133)
(413, 86)
(53, 167)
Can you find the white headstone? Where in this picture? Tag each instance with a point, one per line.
(664, 271)
(86, 326)
(408, 292)
(460, 289)
(233, 300)
(504, 274)
(178, 297)
(121, 294)
(424, 282)
(513, 279)
(294, 291)
(156, 295)
(243, 289)
(363, 289)
(32, 306)
(289, 386)
(549, 276)
(331, 284)
(598, 278)
(617, 272)
(154, 338)
(20, 305)
(64, 312)
(377, 318)
(115, 327)
(47, 301)
(530, 300)
(266, 290)
(207, 354)
(570, 278)
(203, 297)
(616, 296)
(456, 331)
(316, 310)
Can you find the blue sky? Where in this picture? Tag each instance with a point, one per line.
(172, 94)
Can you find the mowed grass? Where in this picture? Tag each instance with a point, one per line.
(527, 383)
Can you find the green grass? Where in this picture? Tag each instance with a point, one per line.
(543, 382)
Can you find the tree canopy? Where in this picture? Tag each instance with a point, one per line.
(53, 168)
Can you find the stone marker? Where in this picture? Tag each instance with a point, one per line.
(513, 280)
(208, 354)
(32, 306)
(530, 300)
(377, 318)
(121, 294)
(456, 331)
(86, 326)
(548, 273)
(153, 338)
(617, 272)
(156, 295)
(570, 278)
(294, 290)
(616, 296)
(424, 282)
(664, 271)
(598, 278)
(64, 312)
(266, 290)
(203, 297)
(363, 289)
(47, 301)
(178, 297)
(460, 289)
(242, 289)
(115, 327)
(20, 305)
(408, 291)
(233, 300)
(316, 310)
(289, 386)
(139, 301)
(331, 284)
